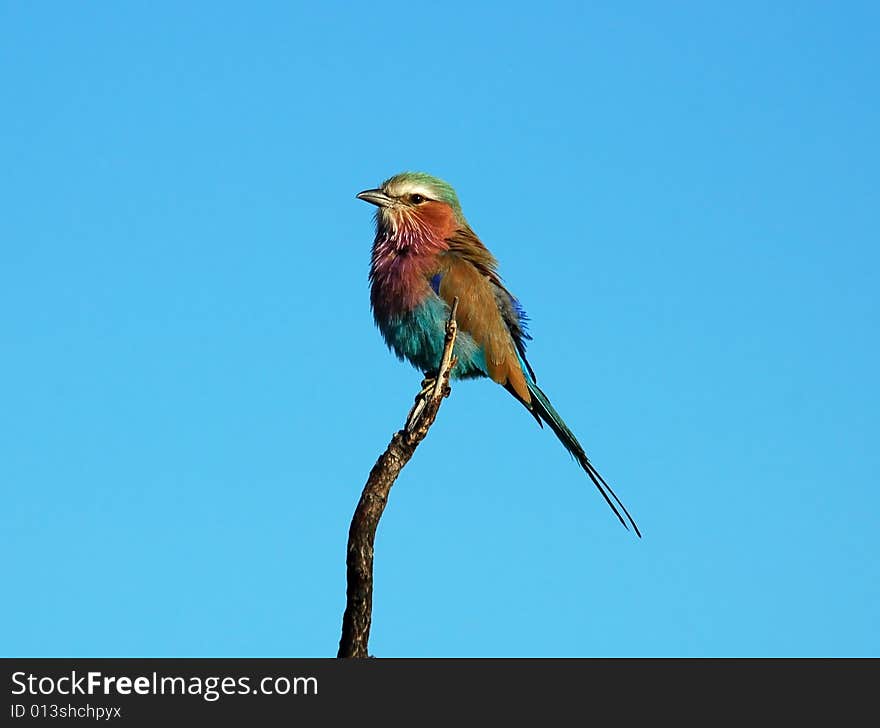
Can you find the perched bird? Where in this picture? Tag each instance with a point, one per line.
(424, 255)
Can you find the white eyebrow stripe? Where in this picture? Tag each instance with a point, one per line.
(398, 189)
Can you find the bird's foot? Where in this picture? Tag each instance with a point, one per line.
(431, 389)
(429, 383)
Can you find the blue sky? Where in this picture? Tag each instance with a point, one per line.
(684, 196)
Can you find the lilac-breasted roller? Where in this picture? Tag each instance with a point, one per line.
(425, 255)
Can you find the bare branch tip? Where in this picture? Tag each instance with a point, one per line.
(357, 618)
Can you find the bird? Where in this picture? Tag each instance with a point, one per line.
(425, 255)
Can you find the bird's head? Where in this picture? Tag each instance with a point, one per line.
(415, 205)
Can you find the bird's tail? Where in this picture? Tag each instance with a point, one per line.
(543, 410)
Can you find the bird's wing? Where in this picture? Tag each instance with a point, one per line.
(486, 310)
(493, 317)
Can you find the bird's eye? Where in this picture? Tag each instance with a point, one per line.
(416, 199)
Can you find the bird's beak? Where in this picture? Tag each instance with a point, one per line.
(375, 197)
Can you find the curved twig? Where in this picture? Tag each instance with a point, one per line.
(362, 533)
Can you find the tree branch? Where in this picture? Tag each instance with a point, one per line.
(362, 533)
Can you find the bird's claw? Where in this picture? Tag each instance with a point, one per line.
(429, 384)
(427, 393)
